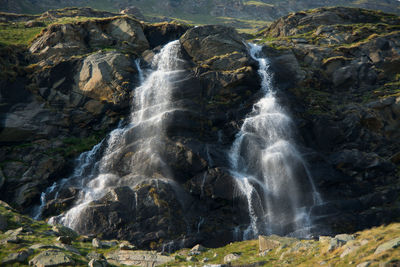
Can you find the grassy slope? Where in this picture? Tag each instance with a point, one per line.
(295, 252)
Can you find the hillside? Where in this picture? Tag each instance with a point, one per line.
(244, 14)
(167, 135)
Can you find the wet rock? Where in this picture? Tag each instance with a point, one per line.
(51, 258)
(392, 244)
(231, 257)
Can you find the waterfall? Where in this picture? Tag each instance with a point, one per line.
(269, 170)
(140, 140)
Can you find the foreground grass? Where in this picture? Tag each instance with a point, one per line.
(295, 252)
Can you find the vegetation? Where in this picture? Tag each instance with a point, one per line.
(294, 252)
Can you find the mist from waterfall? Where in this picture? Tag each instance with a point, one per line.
(140, 140)
(269, 170)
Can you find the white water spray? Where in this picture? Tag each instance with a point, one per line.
(269, 171)
(139, 140)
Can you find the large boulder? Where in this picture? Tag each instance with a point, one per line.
(63, 40)
(219, 47)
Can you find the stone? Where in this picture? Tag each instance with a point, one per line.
(197, 250)
(231, 257)
(364, 264)
(392, 244)
(93, 255)
(97, 263)
(64, 231)
(335, 243)
(68, 248)
(126, 245)
(221, 46)
(96, 243)
(102, 78)
(349, 249)
(20, 257)
(265, 243)
(345, 237)
(51, 258)
(129, 257)
(64, 239)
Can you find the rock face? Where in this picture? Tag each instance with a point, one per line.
(79, 38)
(196, 186)
(343, 76)
(72, 88)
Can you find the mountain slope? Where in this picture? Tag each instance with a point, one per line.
(204, 11)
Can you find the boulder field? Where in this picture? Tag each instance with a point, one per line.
(336, 71)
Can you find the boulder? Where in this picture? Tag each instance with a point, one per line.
(392, 244)
(97, 263)
(61, 230)
(102, 77)
(19, 257)
(142, 258)
(96, 243)
(217, 46)
(266, 243)
(50, 258)
(63, 40)
(231, 257)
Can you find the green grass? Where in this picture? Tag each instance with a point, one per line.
(17, 34)
(258, 4)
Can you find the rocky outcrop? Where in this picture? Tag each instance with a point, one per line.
(83, 37)
(342, 74)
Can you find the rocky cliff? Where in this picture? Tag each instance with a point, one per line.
(344, 94)
(337, 71)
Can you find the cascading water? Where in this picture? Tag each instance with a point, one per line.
(140, 141)
(269, 171)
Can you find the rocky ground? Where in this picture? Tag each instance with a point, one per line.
(337, 71)
(24, 242)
